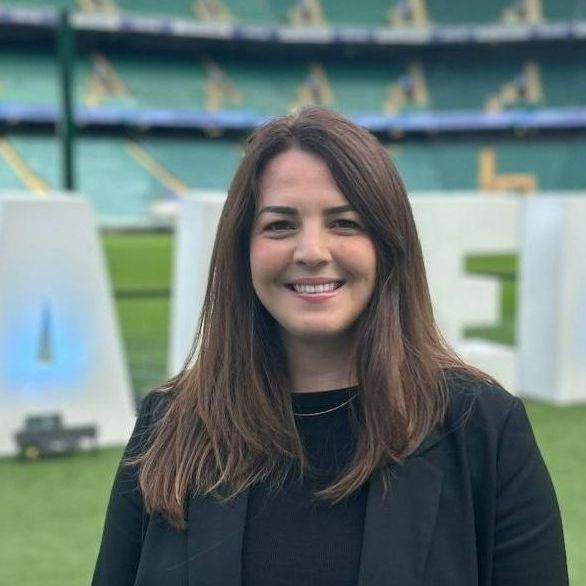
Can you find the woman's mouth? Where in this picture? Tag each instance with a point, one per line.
(314, 289)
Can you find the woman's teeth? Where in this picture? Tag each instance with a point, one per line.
(324, 288)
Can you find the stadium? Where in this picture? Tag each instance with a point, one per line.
(135, 107)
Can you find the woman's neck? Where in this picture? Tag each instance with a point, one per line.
(319, 365)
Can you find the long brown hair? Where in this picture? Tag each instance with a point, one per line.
(229, 423)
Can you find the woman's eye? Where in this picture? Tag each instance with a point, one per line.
(279, 226)
(346, 224)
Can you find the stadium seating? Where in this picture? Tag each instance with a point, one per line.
(28, 164)
(120, 184)
(268, 88)
(259, 11)
(123, 178)
(200, 164)
(371, 13)
(151, 83)
(27, 77)
(463, 11)
(201, 83)
(123, 184)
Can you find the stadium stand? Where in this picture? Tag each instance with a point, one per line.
(523, 12)
(522, 165)
(28, 164)
(99, 6)
(306, 13)
(523, 90)
(199, 164)
(408, 92)
(14, 172)
(407, 13)
(212, 11)
(463, 12)
(490, 180)
(395, 13)
(122, 178)
(204, 83)
(27, 77)
(373, 13)
(125, 176)
(120, 189)
(103, 83)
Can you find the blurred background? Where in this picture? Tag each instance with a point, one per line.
(135, 103)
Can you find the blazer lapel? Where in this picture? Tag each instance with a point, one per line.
(214, 540)
(398, 525)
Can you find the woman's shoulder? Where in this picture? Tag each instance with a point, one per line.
(155, 403)
(475, 401)
(150, 411)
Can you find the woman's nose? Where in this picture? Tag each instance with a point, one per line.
(312, 247)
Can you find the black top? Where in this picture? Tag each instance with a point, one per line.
(472, 506)
(293, 538)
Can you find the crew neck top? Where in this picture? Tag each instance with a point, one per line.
(293, 538)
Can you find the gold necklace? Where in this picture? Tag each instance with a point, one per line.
(326, 410)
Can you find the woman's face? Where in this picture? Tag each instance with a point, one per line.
(313, 265)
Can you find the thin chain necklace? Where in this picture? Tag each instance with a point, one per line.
(326, 410)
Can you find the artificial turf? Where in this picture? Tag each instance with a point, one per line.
(52, 511)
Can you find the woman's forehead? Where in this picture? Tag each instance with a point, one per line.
(296, 175)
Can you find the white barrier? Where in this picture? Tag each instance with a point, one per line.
(60, 350)
(194, 240)
(450, 229)
(551, 321)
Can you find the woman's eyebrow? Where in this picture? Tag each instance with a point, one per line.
(339, 209)
(288, 211)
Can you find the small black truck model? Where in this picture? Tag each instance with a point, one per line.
(45, 435)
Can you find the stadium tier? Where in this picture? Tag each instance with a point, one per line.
(28, 164)
(551, 164)
(201, 164)
(258, 11)
(335, 12)
(124, 179)
(463, 11)
(266, 88)
(134, 82)
(27, 77)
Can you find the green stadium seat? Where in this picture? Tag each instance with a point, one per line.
(42, 155)
(28, 78)
(349, 85)
(200, 164)
(118, 187)
(452, 12)
(456, 84)
(58, 4)
(564, 77)
(37, 158)
(179, 8)
(370, 13)
(152, 83)
(564, 9)
(259, 11)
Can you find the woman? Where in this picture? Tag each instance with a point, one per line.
(321, 431)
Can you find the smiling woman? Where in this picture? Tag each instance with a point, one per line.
(312, 263)
(322, 432)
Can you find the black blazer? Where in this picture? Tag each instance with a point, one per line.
(474, 505)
